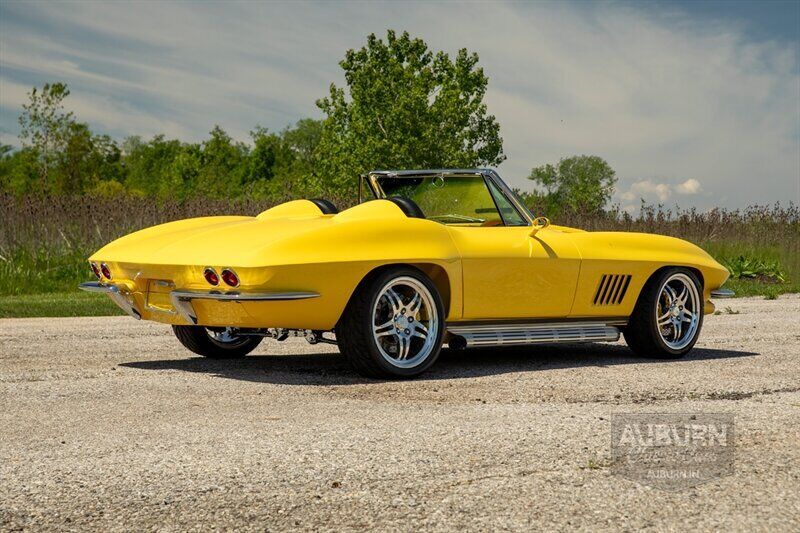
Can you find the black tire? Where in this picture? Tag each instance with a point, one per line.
(354, 332)
(326, 206)
(642, 332)
(198, 340)
(409, 206)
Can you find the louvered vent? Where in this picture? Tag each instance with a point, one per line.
(611, 289)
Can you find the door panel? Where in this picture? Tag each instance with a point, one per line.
(509, 275)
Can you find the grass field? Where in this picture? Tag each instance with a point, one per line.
(57, 304)
(44, 243)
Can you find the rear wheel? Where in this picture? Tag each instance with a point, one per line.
(393, 325)
(216, 343)
(668, 316)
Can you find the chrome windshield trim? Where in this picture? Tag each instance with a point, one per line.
(722, 293)
(510, 196)
(182, 299)
(485, 173)
(121, 299)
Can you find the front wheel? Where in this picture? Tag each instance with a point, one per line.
(668, 316)
(393, 325)
(216, 343)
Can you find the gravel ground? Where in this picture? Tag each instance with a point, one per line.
(109, 424)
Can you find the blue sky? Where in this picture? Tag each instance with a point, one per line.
(693, 103)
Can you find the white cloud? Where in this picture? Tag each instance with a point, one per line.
(661, 98)
(690, 186)
(655, 192)
(648, 188)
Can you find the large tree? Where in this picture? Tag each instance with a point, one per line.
(578, 183)
(46, 127)
(406, 107)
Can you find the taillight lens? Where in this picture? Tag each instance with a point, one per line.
(211, 276)
(230, 277)
(105, 270)
(95, 269)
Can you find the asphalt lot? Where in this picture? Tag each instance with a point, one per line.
(108, 423)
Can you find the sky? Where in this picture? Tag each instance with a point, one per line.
(695, 104)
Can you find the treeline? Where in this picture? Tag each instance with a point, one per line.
(63, 156)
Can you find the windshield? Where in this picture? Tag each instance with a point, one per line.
(455, 200)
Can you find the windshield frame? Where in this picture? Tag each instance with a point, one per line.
(488, 175)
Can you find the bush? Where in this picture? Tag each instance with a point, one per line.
(768, 271)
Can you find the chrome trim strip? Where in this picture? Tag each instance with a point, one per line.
(119, 298)
(243, 296)
(537, 333)
(182, 299)
(722, 293)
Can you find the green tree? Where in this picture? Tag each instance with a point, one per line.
(45, 127)
(75, 161)
(181, 177)
(222, 166)
(303, 139)
(148, 164)
(7, 164)
(262, 158)
(579, 183)
(86, 160)
(19, 171)
(406, 107)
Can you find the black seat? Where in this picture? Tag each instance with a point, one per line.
(325, 206)
(409, 206)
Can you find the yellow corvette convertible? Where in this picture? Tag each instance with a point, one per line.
(437, 256)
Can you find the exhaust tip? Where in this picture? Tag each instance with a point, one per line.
(457, 342)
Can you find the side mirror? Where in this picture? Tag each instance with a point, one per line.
(539, 223)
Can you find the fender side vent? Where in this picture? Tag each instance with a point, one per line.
(611, 289)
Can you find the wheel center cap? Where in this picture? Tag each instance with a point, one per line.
(401, 322)
(676, 311)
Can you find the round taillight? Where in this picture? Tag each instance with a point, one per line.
(211, 276)
(230, 277)
(95, 269)
(104, 269)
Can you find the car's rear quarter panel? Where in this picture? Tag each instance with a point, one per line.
(331, 256)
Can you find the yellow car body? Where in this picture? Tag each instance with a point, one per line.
(492, 274)
(483, 273)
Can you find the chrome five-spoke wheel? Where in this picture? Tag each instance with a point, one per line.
(393, 325)
(678, 311)
(668, 315)
(405, 322)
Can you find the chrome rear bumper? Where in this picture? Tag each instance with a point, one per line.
(122, 300)
(182, 299)
(722, 293)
